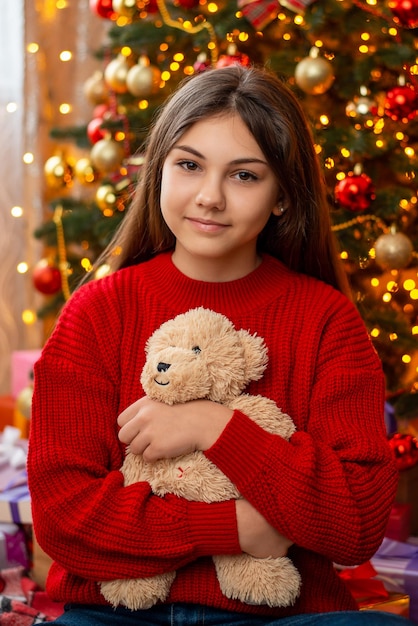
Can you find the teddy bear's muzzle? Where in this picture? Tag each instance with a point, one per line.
(161, 369)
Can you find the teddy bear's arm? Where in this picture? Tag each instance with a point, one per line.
(265, 413)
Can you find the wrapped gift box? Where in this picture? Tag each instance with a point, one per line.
(397, 603)
(15, 503)
(396, 564)
(13, 550)
(7, 409)
(371, 593)
(22, 363)
(408, 494)
(41, 563)
(399, 524)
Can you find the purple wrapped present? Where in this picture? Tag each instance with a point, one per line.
(396, 564)
(15, 505)
(13, 550)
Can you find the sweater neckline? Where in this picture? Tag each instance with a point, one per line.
(263, 284)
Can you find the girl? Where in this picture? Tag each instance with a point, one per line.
(230, 214)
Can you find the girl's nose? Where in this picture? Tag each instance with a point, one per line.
(210, 195)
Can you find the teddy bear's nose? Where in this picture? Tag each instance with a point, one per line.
(163, 367)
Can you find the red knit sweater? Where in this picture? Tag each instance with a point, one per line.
(329, 489)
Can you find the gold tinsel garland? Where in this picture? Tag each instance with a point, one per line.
(62, 255)
(190, 29)
(359, 220)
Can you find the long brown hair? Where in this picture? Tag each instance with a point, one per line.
(302, 237)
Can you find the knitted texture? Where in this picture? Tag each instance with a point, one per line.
(329, 489)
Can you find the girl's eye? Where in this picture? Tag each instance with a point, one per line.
(188, 165)
(246, 176)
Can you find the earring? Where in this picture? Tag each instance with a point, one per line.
(282, 209)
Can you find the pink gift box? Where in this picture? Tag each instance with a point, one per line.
(22, 369)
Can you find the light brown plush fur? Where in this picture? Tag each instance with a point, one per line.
(207, 358)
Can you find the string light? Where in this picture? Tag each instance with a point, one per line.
(28, 317)
(28, 158)
(65, 55)
(32, 48)
(16, 211)
(22, 268)
(65, 108)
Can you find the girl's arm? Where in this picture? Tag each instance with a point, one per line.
(330, 488)
(84, 517)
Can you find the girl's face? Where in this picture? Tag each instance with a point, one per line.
(217, 193)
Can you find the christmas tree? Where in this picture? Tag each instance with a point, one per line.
(353, 65)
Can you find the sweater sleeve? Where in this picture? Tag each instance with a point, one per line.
(83, 516)
(330, 488)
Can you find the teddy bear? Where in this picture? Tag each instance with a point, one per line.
(200, 354)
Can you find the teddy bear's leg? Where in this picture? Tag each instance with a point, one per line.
(138, 593)
(275, 582)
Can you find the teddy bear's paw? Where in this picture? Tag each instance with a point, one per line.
(138, 593)
(275, 582)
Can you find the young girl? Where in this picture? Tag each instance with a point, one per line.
(230, 214)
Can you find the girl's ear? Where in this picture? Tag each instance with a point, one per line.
(279, 208)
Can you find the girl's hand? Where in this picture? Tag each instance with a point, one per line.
(256, 536)
(162, 431)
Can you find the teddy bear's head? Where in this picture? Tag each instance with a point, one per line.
(199, 354)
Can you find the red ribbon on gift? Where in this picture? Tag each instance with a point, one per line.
(259, 12)
(363, 585)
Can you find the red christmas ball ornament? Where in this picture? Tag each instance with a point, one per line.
(95, 131)
(405, 450)
(233, 59)
(405, 12)
(355, 192)
(103, 8)
(401, 103)
(101, 110)
(151, 6)
(46, 277)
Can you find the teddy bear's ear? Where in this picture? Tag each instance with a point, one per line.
(255, 354)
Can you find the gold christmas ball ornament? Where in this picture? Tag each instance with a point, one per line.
(314, 74)
(143, 79)
(24, 401)
(58, 173)
(106, 197)
(115, 74)
(95, 89)
(393, 251)
(84, 171)
(107, 155)
(125, 8)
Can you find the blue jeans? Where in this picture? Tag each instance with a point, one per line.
(197, 615)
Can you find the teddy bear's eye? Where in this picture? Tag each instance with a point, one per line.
(196, 349)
